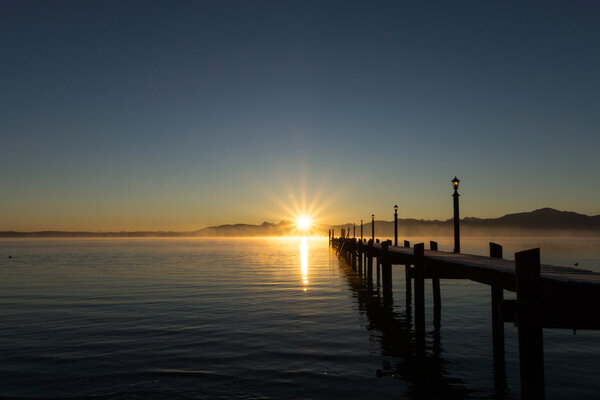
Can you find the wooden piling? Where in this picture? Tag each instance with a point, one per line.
(370, 261)
(437, 297)
(531, 345)
(360, 250)
(419, 260)
(497, 326)
(408, 280)
(407, 273)
(386, 268)
(495, 250)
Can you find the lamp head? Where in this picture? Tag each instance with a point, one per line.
(455, 183)
(396, 208)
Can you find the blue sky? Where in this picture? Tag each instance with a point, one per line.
(177, 115)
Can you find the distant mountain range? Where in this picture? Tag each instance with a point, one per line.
(283, 228)
(543, 222)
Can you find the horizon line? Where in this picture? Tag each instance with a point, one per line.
(318, 226)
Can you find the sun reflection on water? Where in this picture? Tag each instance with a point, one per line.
(304, 262)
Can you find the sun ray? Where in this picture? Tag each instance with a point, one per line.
(295, 196)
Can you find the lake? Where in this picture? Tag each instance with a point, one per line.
(255, 318)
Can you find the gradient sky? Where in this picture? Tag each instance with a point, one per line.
(122, 115)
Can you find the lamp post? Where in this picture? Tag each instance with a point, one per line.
(373, 227)
(396, 225)
(455, 183)
(361, 226)
(353, 231)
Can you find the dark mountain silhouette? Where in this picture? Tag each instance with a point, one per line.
(283, 228)
(544, 218)
(543, 222)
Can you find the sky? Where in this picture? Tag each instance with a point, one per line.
(131, 115)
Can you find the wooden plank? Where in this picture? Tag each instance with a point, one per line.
(486, 269)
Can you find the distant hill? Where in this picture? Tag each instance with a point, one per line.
(283, 228)
(544, 218)
(542, 222)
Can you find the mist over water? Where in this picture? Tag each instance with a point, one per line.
(247, 318)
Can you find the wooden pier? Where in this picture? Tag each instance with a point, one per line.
(547, 296)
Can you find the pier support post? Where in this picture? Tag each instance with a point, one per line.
(495, 250)
(419, 255)
(408, 279)
(498, 326)
(360, 250)
(386, 269)
(531, 345)
(408, 284)
(437, 305)
(370, 261)
(379, 265)
(437, 297)
(349, 250)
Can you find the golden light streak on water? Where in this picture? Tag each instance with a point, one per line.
(304, 262)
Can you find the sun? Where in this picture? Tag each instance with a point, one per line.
(303, 223)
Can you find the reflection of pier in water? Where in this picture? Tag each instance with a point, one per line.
(427, 375)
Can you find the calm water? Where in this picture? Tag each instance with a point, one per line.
(253, 318)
